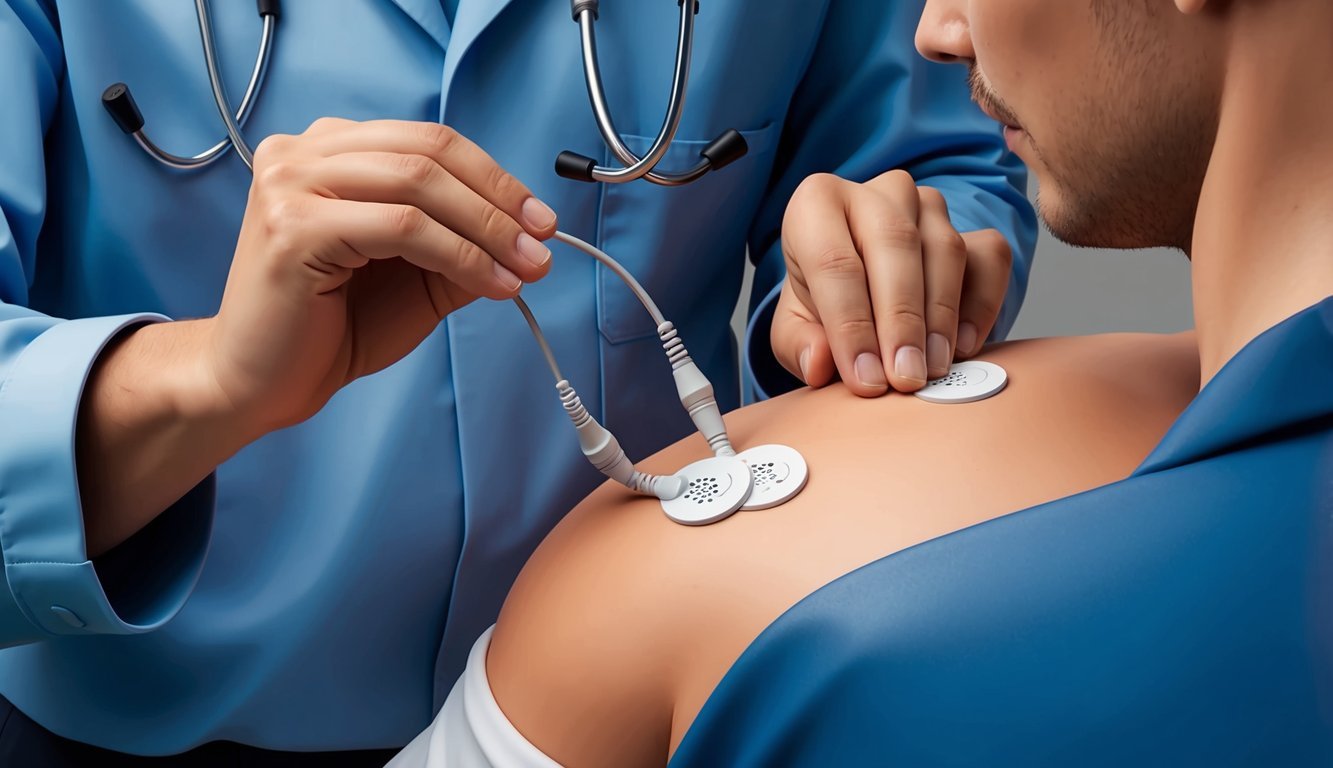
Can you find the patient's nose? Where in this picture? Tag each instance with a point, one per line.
(944, 35)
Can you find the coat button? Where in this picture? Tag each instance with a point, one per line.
(70, 617)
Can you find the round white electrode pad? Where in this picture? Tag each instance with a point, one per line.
(779, 474)
(714, 488)
(966, 382)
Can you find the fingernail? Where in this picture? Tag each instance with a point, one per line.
(870, 370)
(538, 214)
(507, 278)
(909, 363)
(937, 352)
(967, 338)
(532, 250)
(805, 365)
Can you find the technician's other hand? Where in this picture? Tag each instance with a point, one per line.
(881, 290)
(358, 238)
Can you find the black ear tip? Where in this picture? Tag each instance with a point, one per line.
(269, 8)
(572, 165)
(120, 103)
(725, 149)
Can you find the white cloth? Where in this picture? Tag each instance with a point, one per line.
(471, 731)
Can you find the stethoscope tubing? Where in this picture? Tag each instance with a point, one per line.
(243, 150)
(120, 102)
(637, 167)
(725, 149)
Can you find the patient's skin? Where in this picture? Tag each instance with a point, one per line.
(623, 622)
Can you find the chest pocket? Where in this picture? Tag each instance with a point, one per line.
(686, 245)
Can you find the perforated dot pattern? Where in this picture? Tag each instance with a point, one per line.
(966, 382)
(764, 474)
(702, 490)
(779, 473)
(954, 379)
(715, 487)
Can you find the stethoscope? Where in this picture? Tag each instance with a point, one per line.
(725, 149)
(703, 492)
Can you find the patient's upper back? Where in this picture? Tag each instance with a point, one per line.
(1182, 616)
(672, 607)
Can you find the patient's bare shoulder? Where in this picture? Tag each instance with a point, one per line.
(623, 622)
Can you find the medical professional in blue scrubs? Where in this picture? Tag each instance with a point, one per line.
(218, 527)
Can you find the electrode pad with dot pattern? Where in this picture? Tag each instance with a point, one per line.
(966, 382)
(779, 474)
(714, 488)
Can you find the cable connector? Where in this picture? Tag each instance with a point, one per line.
(696, 393)
(605, 454)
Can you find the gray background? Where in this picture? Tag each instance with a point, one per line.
(1076, 291)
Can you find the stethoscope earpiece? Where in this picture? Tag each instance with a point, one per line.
(722, 151)
(725, 149)
(120, 103)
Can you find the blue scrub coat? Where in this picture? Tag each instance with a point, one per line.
(1183, 616)
(353, 559)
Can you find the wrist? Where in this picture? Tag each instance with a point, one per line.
(151, 425)
(165, 369)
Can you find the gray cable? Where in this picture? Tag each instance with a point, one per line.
(620, 272)
(541, 338)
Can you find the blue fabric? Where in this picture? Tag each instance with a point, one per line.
(356, 557)
(1183, 616)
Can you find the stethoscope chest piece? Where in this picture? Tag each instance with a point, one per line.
(779, 473)
(715, 488)
(966, 382)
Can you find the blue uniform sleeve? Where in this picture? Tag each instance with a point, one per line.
(51, 586)
(868, 104)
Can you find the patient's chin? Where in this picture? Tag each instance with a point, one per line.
(1086, 219)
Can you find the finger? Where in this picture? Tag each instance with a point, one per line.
(885, 223)
(417, 180)
(945, 261)
(989, 267)
(389, 230)
(454, 152)
(800, 342)
(819, 246)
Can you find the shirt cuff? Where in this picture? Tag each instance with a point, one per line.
(52, 582)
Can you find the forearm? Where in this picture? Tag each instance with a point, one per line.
(152, 424)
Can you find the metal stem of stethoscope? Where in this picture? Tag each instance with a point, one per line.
(727, 148)
(120, 102)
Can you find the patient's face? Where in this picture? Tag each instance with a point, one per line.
(1109, 102)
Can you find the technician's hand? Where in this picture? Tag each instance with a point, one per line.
(358, 238)
(881, 290)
